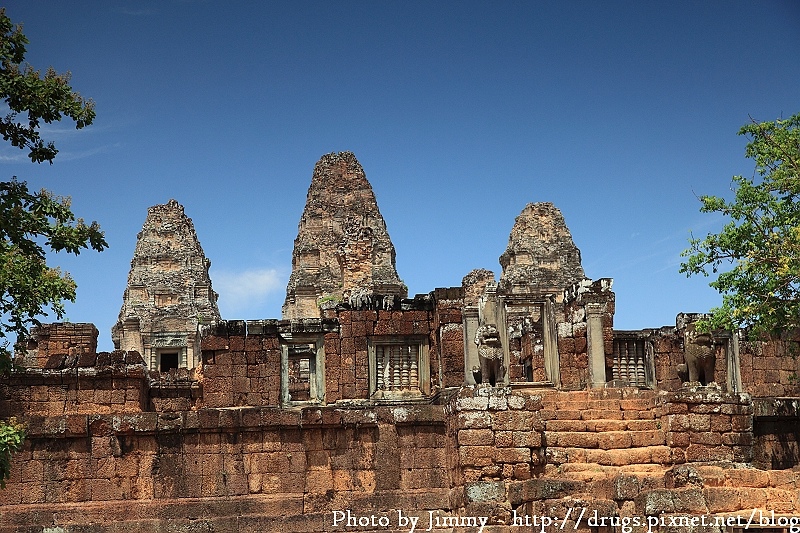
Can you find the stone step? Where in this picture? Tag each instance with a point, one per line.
(640, 469)
(560, 414)
(658, 454)
(567, 405)
(621, 394)
(596, 414)
(589, 472)
(576, 404)
(602, 425)
(601, 414)
(606, 440)
(616, 405)
(621, 425)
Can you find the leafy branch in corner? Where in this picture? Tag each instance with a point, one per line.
(756, 255)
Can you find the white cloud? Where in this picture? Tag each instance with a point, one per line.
(73, 155)
(14, 158)
(244, 294)
(14, 155)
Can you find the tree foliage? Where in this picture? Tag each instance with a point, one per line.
(27, 285)
(11, 437)
(33, 223)
(42, 99)
(756, 255)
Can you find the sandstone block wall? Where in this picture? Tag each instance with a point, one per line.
(770, 369)
(349, 353)
(776, 428)
(448, 341)
(116, 382)
(495, 435)
(239, 368)
(573, 351)
(59, 344)
(668, 355)
(242, 464)
(703, 426)
(572, 326)
(177, 390)
(242, 361)
(485, 452)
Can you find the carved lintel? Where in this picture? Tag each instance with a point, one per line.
(177, 340)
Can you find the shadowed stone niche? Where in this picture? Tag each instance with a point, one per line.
(169, 294)
(342, 252)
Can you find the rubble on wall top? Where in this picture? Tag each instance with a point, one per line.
(585, 287)
(475, 283)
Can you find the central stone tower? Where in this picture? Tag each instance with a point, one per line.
(541, 255)
(169, 294)
(342, 250)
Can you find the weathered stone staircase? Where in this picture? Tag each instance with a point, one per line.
(606, 453)
(590, 434)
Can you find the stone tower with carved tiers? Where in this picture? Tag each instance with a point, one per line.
(342, 247)
(169, 294)
(541, 255)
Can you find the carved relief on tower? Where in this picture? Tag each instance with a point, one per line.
(342, 246)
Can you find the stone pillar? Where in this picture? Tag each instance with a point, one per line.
(596, 345)
(733, 363)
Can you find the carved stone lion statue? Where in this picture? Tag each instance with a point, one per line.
(490, 355)
(700, 354)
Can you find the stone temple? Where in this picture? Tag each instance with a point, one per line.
(482, 407)
(540, 253)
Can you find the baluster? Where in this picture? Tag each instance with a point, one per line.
(414, 375)
(623, 362)
(380, 384)
(396, 370)
(640, 373)
(405, 367)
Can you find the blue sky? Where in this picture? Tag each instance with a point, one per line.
(619, 113)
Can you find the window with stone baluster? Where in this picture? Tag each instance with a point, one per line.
(632, 361)
(399, 368)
